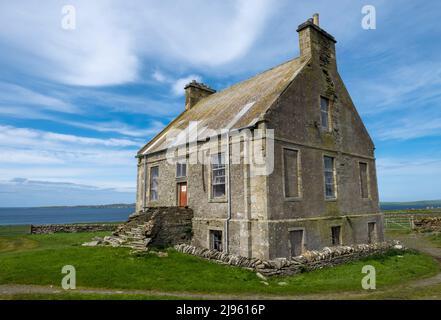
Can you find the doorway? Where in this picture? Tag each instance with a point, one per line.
(296, 242)
(182, 194)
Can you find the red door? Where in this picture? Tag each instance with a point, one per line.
(182, 194)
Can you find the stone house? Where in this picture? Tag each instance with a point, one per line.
(318, 187)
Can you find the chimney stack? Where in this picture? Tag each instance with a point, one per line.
(194, 92)
(315, 19)
(316, 43)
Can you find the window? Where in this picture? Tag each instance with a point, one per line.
(296, 241)
(324, 109)
(291, 174)
(218, 175)
(372, 232)
(364, 180)
(335, 233)
(154, 175)
(216, 240)
(181, 168)
(329, 178)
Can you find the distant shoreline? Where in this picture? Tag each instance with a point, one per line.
(411, 205)
(98, 206)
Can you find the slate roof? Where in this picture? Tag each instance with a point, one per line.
(241, 105)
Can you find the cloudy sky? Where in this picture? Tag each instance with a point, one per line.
(75, 105)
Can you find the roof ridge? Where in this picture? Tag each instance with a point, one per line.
(255, 76)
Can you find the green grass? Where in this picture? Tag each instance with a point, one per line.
(6, 231)
(38, 260)
(436, 239)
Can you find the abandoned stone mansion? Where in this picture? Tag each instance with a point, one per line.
(317, 185)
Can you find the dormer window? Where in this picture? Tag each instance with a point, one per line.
(324, 111)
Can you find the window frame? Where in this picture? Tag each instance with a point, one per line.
(375, 232)
(368, 191)
(220, 168)
(299, 180)
(151, 179)
(179, 163)
(340, 239)
(211, 240)
(334, 177)
(328, 118)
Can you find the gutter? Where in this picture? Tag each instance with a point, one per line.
(227, 222)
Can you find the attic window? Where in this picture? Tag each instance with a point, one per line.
(324, 111)
(218, 175)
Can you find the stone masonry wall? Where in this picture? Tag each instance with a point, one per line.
(428, 224)
(71, 228)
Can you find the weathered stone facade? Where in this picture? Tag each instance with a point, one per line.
(256, 217)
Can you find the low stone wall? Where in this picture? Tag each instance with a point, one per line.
(310, 260)
(71, 228)
(428, 224)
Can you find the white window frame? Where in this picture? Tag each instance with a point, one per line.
(156, 189)
(179, 164)
(334, 177)
(219, 168)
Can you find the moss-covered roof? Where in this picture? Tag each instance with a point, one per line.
(238, 106)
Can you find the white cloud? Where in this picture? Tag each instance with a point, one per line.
(11, 94)
(112, 36)
(159, 76)
(24, 137)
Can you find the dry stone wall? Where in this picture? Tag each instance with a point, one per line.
(428, 224)
(71, 228)
(310, 260)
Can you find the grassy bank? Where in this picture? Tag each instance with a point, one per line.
(38, 259)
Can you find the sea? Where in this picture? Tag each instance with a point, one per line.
(61, 215)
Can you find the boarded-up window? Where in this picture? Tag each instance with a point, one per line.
(336, 235)
(218, 175)
(364, 180)
(329, 177)
(372, 232)
(324, 111)
(291, 173)
(154, 183)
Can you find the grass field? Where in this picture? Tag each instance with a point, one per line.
(38, 260)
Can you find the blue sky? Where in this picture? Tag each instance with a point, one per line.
(75, 105)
